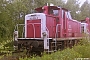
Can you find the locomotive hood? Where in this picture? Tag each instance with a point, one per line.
(27, 17)
(36, 19)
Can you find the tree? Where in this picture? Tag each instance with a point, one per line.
(4, 19)
(85, 10)
(59, 3)
(73, 6)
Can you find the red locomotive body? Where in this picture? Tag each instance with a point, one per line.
(74, 28)
(50, 29)
(85, 26)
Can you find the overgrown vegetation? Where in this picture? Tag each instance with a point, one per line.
(6, 46)
(82, 50)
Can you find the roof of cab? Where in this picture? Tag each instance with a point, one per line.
(52, 7)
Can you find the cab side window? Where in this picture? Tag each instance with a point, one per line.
(55, 12)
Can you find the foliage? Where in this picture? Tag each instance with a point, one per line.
(67, 54)
(73, 6)
(59, 3)
(6, 45)
(79, 51)
(83, 50)
(85, 10)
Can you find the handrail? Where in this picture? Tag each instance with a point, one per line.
(20, 25)
(23, 32)
(48, 33)
(56, 33)
(57, 29)
(27, 24)
(47, 37)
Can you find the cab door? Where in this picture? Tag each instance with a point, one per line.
(57, 27)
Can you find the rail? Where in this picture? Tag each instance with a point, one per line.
(33, 24)
(47, 37)
(23, 32)
(17, 28)
(56, 35)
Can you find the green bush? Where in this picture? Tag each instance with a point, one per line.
(67, 54)
(82, 50)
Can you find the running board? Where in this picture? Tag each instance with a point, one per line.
(70, 38)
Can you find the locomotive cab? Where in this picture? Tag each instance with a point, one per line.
(48, 10)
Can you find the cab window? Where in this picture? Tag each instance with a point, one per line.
(69, 15)
(55, 12)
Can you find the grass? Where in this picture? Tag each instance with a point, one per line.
(6, 46)
(67, 54)
(82, 50)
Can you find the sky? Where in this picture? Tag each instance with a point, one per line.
(81, 1)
